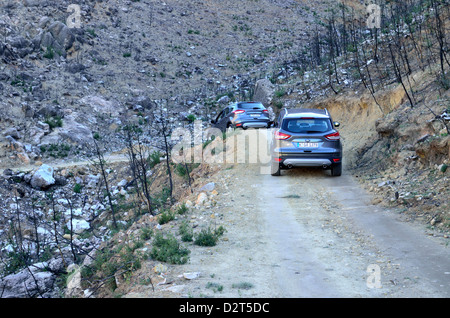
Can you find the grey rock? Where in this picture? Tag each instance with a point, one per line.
(30, 282)
(224, 100)
(264, 91)
(76, 132)
(12, 132)
(75, 67)
(208, 187)
(62, 33)
(43, 178)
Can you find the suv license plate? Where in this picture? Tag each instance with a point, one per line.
(307, 145)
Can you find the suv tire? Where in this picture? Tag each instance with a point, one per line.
(336, 170)
(275, 169)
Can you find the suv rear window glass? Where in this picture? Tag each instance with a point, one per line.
(250, 106)
(306, 125)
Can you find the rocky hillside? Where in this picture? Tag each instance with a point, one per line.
(136, 69)
(127, 56)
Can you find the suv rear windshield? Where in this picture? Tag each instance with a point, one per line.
(250, 106)
(306, 125)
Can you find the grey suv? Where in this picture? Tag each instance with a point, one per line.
(306, 138)
(243, 115)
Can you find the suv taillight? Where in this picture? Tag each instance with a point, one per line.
(239, 111)
(281, 136)
(333, 136)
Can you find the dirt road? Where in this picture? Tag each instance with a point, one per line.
(307, 234)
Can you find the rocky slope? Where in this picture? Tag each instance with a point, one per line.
(128, 55)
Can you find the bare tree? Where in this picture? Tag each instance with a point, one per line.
(100, 165)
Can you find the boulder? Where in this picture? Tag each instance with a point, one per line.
(201, 199)
(264, 91)
(62, 33)
(12, 132)
(208, 187)
(43, 178)
(35, 281)
(100, 105)
(76, 132)
(78, 225)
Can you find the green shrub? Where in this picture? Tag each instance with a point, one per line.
(243, 285)
(182, 209)
(280, 93)
(214, 286)
(167, 249)
(154, 158)
(191, 118)
(54, 122)
(77, 188)
(207, 237)
(146, 233)
(50, 53)
(165, 217)
(186, 232)
(180, 169)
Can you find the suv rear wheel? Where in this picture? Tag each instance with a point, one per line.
(275, 169)
(336, 170)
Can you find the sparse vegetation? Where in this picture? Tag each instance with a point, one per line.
(54, 121)
(168, 249)
(49, 53)
(209, 237)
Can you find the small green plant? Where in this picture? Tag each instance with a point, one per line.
(168, 249)
(214, 286)
(243, 285)
(91, 32)
(56, 150)
(165, 217)
(96, 136)
(191, 118)
(17, 260)
(107, 262)
(180, 170)
(278, 104)
(146, 233)
(54, 121)
(49, 53)
(280, 93)
(77, 188)
(126, 54)
(207, 237)
(182, 209)
(154, 158)
(186, 232)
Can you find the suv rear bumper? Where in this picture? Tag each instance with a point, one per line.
(310, 160)
(252, 124)
(306, 162)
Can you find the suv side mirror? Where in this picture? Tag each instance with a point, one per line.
(336, 124)
(213, 121)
